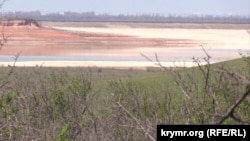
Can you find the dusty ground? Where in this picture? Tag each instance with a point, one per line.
(123, 40)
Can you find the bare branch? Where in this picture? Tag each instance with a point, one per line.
(136, 120)
(10, 71)
(156, 62)
(238, 119)
(4, 38)
(236, 76)
(230, 111)
(2, 3)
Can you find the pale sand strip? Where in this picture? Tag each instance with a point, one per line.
(104, 64)
(229, 38)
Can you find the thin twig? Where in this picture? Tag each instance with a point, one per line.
(2, 3)
(236, 76)
(136, 120)
(156, 62)
(230, 111)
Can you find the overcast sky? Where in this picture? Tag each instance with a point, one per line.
(165, 7)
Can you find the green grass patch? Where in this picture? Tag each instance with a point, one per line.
(113, 104)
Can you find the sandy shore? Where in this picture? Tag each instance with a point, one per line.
(123, 41)
(102, 64)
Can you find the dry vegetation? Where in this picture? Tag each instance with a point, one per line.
(73, 104)
(80, 104)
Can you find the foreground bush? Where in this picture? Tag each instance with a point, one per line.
(48, 104)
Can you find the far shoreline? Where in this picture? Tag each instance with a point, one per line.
(134, 24)
(102, 64)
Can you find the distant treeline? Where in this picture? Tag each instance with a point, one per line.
(91, 16)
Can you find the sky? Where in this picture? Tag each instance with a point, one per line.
(162, 7)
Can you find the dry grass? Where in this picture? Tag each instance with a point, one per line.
(99, 104)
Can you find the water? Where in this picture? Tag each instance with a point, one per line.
(7, 58)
